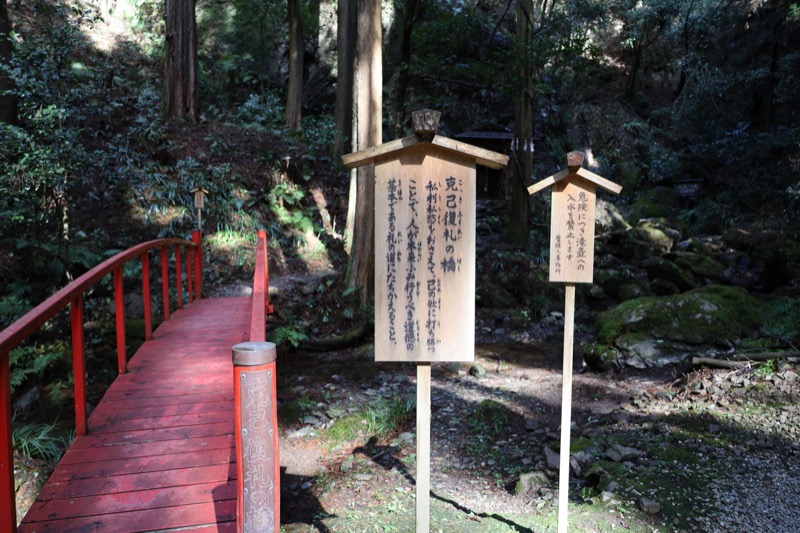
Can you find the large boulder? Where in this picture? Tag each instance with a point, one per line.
(658, 330)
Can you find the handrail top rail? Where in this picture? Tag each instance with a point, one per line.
(31, 321)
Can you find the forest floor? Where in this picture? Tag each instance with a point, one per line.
(653, 451)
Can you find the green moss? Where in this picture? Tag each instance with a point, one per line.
(706, 315)
(700, 265)
(658, 268)
(652, 204)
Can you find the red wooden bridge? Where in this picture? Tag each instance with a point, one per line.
(158, 452)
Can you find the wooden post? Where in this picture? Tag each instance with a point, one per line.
(165, 281)
(256, 434)
(571, 261)
(189, 274)
(119, 311)
(148, 317)
(8, 505)
(566, 407)
(78, 365)
(423, 447)
(178, 276)
(197, 238)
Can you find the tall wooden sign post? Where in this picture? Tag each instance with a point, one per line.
(571, 262)
(424, 260)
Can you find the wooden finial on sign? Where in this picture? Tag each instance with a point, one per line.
(426, 123)
(574, 161)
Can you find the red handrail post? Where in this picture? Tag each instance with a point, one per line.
(197, 238)
(148, 317)
(78, 364)
(189, 276)
(256, 431)
(178, 277)
(119, 311)
(165, 281)
(8, 497)
(263, 234)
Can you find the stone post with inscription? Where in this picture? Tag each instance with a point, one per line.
(425, 196)
(571, 262)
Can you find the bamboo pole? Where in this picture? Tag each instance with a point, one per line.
(566, 407)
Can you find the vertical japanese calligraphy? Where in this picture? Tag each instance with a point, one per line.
(572, 231)
(424, 260)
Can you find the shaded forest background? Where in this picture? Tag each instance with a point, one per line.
(653, 91)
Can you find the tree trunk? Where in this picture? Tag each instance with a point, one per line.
(518, 230)
(368, 85)
(345, 50)
(294, 98)
(399, 111)
(8, 100)
(180, 61)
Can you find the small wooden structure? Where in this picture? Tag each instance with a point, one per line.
(199, 203)
(571, 262)
(425, 260)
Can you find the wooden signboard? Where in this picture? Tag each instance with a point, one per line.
(425, 247)
(572, 220)
(571, 262)
(424, 261)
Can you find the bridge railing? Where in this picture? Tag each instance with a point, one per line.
(72, 296)
(255, 413)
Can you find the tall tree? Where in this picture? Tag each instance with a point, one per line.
(368, 86)
(410, 14)
(180, 61)
(8, 100)
(345, 51)
(519, 218)
(294, 97)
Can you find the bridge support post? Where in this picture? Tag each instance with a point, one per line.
(197, 238)
(256, 427)
(8, 507)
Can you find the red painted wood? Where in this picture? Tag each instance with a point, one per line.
(148, 319)
(197, 239)
(178, 276)
(132, 501)
(160, 454)
(165, 281)
(203, 514)
(31, 321)
(78, 365)
(119, 314)
(17, 332)
(8, 509)
(258, 328)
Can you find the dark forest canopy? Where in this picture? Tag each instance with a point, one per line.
(653, 91)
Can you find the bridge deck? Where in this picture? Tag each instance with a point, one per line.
(159, 455)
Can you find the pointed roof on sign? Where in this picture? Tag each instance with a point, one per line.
(426, 124)
(575, 168)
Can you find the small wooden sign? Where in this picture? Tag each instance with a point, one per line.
(571, 262)
(572, 220)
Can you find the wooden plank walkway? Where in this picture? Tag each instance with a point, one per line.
(159, 455)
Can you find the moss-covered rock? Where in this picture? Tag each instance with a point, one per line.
(701, 265)
(659, 268)
(708, 315)
(616, 281)
(601, 356)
